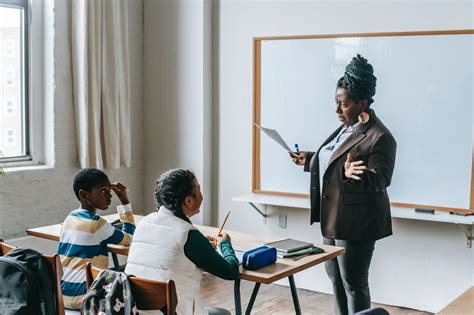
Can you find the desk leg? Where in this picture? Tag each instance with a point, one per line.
(238, 306)
(294, 294)
(252, 298)
(116, 262)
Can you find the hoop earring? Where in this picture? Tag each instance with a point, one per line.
(363, 118)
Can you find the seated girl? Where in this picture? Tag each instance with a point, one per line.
(167, 246)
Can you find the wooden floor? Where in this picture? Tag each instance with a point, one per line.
(464, 304)
(275, 299)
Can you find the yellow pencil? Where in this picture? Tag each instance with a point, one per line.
(223, 223)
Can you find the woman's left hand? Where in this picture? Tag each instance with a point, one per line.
(353, 169)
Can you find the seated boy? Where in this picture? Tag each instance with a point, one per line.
(85, 235)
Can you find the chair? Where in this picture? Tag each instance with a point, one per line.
(148, 294)
(56, 268)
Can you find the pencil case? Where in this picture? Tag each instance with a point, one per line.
(259, 257)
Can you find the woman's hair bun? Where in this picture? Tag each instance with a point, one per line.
(360, 69)
(359, 80)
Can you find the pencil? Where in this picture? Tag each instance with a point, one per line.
(223, 223)
(299, 257)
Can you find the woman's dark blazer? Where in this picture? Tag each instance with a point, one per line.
(349, 209)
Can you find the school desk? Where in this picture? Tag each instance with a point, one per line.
(282, 268)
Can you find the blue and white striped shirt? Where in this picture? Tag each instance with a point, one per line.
(84, 238)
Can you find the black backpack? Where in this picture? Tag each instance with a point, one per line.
(26, 284)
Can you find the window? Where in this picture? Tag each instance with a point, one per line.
(9, 78)
(8, 48)
(9, 137)
(14, 95)
(8, 108)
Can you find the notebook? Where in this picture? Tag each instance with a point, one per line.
(289, 245)
(302, 252)
(240, 255)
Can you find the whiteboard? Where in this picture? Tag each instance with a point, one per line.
(424, 96)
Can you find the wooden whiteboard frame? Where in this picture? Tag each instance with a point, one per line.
(257, 46)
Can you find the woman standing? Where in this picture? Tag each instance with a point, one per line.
(350, 174)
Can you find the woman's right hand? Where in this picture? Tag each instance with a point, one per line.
(299, 158)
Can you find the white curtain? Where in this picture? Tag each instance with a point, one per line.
(101, 82)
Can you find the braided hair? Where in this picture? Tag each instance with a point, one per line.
(359, 80)
(172, 188)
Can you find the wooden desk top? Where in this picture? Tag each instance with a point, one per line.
(283, 267)
(240, 241)
(52, 232)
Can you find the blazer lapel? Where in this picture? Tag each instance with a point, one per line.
(315, 156)
(353, 139)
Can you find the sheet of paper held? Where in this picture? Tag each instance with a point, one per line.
(274, 135)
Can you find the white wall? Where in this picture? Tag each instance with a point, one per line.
(423, 265)
(177, 93)
(43, 195)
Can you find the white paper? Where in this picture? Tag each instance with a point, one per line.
(239, 254)
(274, 135)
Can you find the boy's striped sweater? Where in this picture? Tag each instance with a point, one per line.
(84, 238)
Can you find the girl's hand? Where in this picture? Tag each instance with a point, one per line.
(214, 241)
(223, 237)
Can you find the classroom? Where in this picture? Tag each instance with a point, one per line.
(139, 87)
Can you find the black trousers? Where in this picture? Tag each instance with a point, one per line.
(349, 275)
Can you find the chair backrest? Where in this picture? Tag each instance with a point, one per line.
(4, 248)
(55, 263)
(148, 294)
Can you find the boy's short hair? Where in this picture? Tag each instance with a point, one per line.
(88, 178)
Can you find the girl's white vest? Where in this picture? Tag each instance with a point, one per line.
(157, 253)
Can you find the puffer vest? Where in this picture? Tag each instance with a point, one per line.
(157, 253)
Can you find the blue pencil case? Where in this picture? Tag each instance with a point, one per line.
(259, 257)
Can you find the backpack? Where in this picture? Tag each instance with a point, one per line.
(26, 284)
(110, 293)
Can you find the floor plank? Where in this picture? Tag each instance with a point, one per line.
(464, 304)
(276, 300)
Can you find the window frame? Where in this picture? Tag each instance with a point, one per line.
(31, 69)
